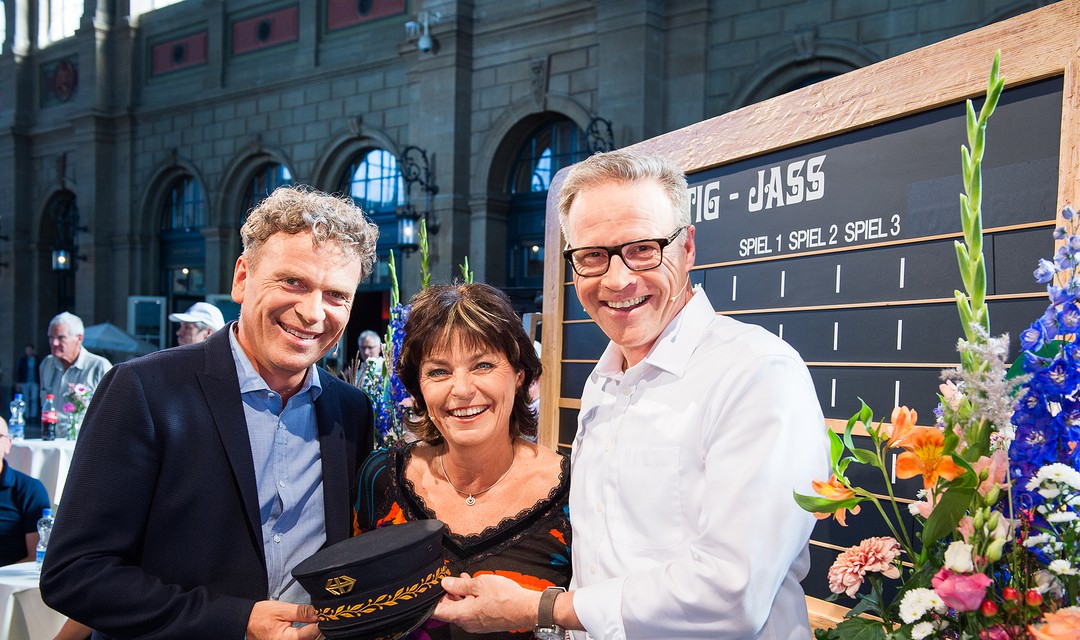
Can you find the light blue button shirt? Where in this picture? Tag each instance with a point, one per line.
(288, 473)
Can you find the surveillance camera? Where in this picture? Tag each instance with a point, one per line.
(425, 43)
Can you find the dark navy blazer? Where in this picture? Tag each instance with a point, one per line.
(159, 534)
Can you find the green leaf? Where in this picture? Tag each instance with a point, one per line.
(820, 504)
(836, 448)
(1048, 350)
(946, 515)
(860, 629)
(867, 457)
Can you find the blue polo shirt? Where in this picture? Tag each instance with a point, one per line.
(22, 499)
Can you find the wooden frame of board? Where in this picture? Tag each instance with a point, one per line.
(1034, 46)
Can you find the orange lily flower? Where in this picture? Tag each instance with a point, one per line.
(925, 454)
(834, 490)
(903, 420)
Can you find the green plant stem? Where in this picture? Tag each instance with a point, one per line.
(907, 543)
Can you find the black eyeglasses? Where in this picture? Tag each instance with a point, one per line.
(637, 255)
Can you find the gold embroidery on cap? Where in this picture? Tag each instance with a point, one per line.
(340, 586)
(383, 601)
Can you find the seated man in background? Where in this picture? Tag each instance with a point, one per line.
(69, 362)
(22, 500)
(197, 323)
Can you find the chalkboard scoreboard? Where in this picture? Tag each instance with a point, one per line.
(828, 217)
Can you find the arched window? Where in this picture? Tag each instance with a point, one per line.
(139, 7)
(374, 182)
(550, 147)
(183, 249)
(58, 19)
(270, 176)
(183, 208)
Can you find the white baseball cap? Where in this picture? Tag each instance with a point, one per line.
(203, 312)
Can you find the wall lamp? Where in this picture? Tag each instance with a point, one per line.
(415, 169)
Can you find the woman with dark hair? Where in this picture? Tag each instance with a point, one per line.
(468, 363)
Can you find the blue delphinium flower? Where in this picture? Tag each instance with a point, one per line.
(1047, 417)
(1045, 271)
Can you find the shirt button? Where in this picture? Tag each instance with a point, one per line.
(281, 483)
(593, 568)
(277, 537)
(599, 507)
(626, 391)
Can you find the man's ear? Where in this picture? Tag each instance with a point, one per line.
(240, 275)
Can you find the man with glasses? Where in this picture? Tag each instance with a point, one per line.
(22, 499)
(693, 432)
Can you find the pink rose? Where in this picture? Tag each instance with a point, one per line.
(69, 407)
(996, 632)
(962, 592)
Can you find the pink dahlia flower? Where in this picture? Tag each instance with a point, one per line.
(873, 555)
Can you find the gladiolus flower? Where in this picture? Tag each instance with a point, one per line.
(924, 454)
(989, 609)
(1033, 598)
(962, 592)
(836, 491)
(903, 419)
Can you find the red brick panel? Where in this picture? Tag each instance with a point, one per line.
(345, 13)
(181, 53)
(266, 30)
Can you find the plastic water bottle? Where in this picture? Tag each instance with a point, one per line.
(49, 418)
(44, 529)
(17, 422)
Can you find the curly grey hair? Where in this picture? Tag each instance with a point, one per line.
(295, 209)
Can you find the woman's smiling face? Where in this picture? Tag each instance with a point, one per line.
(469, 392)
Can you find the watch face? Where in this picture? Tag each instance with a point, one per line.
(549, 634)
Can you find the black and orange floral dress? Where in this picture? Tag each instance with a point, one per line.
(531, 548)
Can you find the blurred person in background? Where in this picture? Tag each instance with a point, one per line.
(197, 323)
(69, 363)
(22, 500)
(26, 380)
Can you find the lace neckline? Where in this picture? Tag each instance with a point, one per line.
(496, 534)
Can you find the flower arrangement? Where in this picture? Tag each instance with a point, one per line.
(76, 400)
(377, 378)
(995, 549)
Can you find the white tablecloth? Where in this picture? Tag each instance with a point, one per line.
(23, 616)
(46, 460)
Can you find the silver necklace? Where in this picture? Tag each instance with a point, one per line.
(471, 499)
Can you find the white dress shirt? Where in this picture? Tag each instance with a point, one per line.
(681, 500)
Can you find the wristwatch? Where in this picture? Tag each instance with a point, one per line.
(546, 629)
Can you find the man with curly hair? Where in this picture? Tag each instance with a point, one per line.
(205, 474)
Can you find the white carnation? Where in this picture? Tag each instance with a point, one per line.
(922, 630)
(918, 602)
(1062, 567)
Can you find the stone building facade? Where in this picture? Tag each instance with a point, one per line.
(132, 148)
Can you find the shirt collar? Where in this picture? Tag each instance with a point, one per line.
(676, 343)
(250, 380)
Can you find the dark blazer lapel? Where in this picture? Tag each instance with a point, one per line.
(221, 386)
(335, 473)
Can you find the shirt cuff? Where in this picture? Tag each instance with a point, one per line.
(599, 608)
